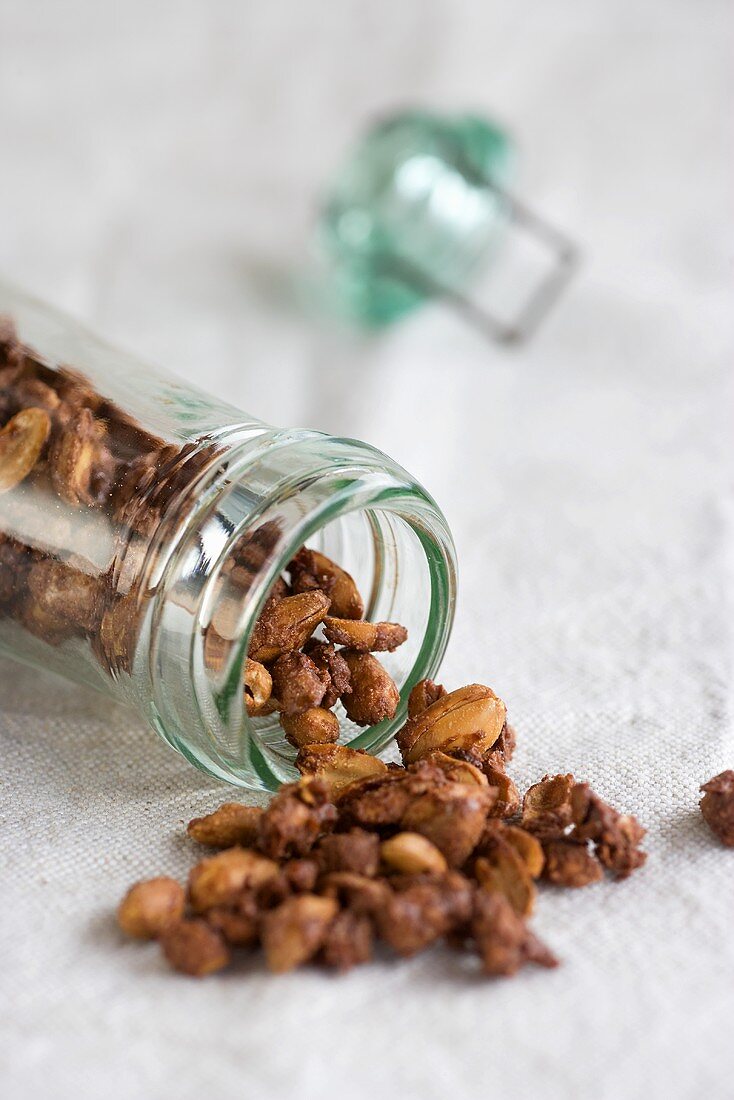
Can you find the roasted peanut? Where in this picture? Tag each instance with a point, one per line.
(348, 941)
(21, 442)
(717, 806)
(76, 457)
(149, 907)
(194, 948)
(527, 846)
(315, 726)
(452, 817)
(218, 879)
(258, 686)
(232, 824)
(503, 869)
(413, 854)
(310, 569)
(547, 809)
(507, 802)
(287, 624)
(66, 595)
(362, 637)
(374, 695)
(337, 765)
(423, 695)
(333, 667)
(503, 940)
(470, 717)
(298, 684)
(357, 851)
(569, 864)
(294, 931)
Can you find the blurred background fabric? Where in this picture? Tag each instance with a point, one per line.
(160, 166)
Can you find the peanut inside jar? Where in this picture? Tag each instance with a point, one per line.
(310, 650)
(248, 589)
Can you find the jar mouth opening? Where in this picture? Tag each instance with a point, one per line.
(365, 513)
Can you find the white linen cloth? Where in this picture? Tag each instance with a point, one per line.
(160, 161)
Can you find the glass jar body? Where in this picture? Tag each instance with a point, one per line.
(143, 524)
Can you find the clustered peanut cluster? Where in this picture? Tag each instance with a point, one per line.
(359, 851)
(302, 677)
(83, 463)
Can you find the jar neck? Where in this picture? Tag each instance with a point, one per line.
(264, 497)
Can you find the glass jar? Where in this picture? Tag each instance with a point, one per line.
(143, 524)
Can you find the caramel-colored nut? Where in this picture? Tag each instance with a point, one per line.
(357, 851)
(362, 637)
(118, 632)
(36, 394)
(415, 917)
(298, 684)
(470, 717)
(218, 880)
(287, 624)
(75, 457)
(194, 948)
(358, 893)
(527, 846)
(258, 686)
(413, 854)
(461, 771)
(348, 941)
(310, 569)
(717, 806)
(568, 864)
(230, 825)
(507, 802)
(374, 695)
(295, 818)
(238, 924)
(504, 871)
(452, 817)
(294, 932)
(334, 669)
(503, 940)
(547, 808)
(21, 443)
(315, 726)
(149, 907)
(338, 765)
(66, 595)
(423, 695)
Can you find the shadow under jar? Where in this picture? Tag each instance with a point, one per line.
(137, 511)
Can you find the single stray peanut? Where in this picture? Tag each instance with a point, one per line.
(149, 907)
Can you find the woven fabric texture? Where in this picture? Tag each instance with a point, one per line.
(161, 162)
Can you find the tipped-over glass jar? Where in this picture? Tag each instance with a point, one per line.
(144, 523)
